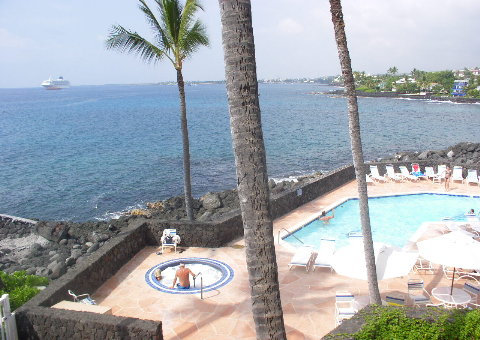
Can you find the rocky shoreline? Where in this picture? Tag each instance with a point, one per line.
(50, 248)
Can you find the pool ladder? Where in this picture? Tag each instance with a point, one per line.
(201, 284)
(289, 233)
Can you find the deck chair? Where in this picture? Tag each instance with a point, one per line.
(424, 265)
(170, 239)
(417, 292)
(82, 298)
(375, 175)
(325, 254)
(395, 300)
(472, 177)
(429, 173)
(344, 307)
(457, 174)
(440, 176)
(392, 175)
(416, 171)
(302, 258)
(369, 180)
(406, 174)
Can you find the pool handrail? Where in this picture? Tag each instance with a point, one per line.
(289, 233)
(199, 273)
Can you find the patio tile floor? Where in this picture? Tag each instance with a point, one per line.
(307, 298)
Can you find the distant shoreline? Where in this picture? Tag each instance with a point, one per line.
(408, 96)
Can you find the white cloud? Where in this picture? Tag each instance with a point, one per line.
(290, 26)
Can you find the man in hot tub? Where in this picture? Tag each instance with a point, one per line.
(183, 275)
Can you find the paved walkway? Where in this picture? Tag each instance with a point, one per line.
(307, 298)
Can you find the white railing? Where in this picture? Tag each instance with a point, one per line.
(8, 326)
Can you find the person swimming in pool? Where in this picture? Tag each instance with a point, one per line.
(326, 219)
(183, 276)
(471, 212)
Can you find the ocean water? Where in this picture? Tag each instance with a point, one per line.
(91, 152)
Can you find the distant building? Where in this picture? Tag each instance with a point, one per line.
(458, 89)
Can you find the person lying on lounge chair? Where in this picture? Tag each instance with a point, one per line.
(326, 219)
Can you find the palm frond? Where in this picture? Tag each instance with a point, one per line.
(194, 38)
(155, 25)
(171, 15)
(187, 17)
(131, 42)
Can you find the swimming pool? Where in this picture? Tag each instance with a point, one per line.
(394, 219)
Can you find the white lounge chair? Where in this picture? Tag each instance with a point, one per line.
(457, 174)
(392, 175)
(429, 172)
(406, 174)
(325, 254)
(82, 298)
(417, 292)
(440, 176)
(170, 239)
(369, 180)
(375, 175)
(302, 258)
(424, 265)
(472, 177)
(416, 171)
(345, 306)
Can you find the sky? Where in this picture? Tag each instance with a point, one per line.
(293, 39)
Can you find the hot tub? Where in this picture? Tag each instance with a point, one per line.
(215, 274)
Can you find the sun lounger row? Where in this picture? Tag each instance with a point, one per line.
(416, 174)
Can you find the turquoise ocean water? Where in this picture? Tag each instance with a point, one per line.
(90, 152)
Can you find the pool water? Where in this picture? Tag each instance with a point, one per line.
(210, 274)
(393, 219)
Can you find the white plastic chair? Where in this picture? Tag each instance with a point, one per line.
(391, 173)
(375, 175)
(440, 176)
(430, 173)
(344, 306)
(457, 174)
(417, 292)
(170, 239)
(82, 298)
(424, 265)
(472, 177)
(406, 174)
(325, 254)
(302, 258)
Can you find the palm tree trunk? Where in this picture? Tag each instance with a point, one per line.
(187, 184)
(250, 159)
(356, 142)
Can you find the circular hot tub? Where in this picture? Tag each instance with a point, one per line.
(214, 274)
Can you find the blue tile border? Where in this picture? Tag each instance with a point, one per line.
(225, 269)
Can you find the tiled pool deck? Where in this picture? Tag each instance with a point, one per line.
(307, 298)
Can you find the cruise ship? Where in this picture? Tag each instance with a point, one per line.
(56, 84)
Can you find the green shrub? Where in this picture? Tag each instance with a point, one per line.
(20, 287)
(435, 323)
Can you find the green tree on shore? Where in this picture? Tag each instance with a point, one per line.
(177, 36)
(251, 165)
(356, 142)
(392, 70)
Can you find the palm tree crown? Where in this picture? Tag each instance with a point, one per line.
(177, 34)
